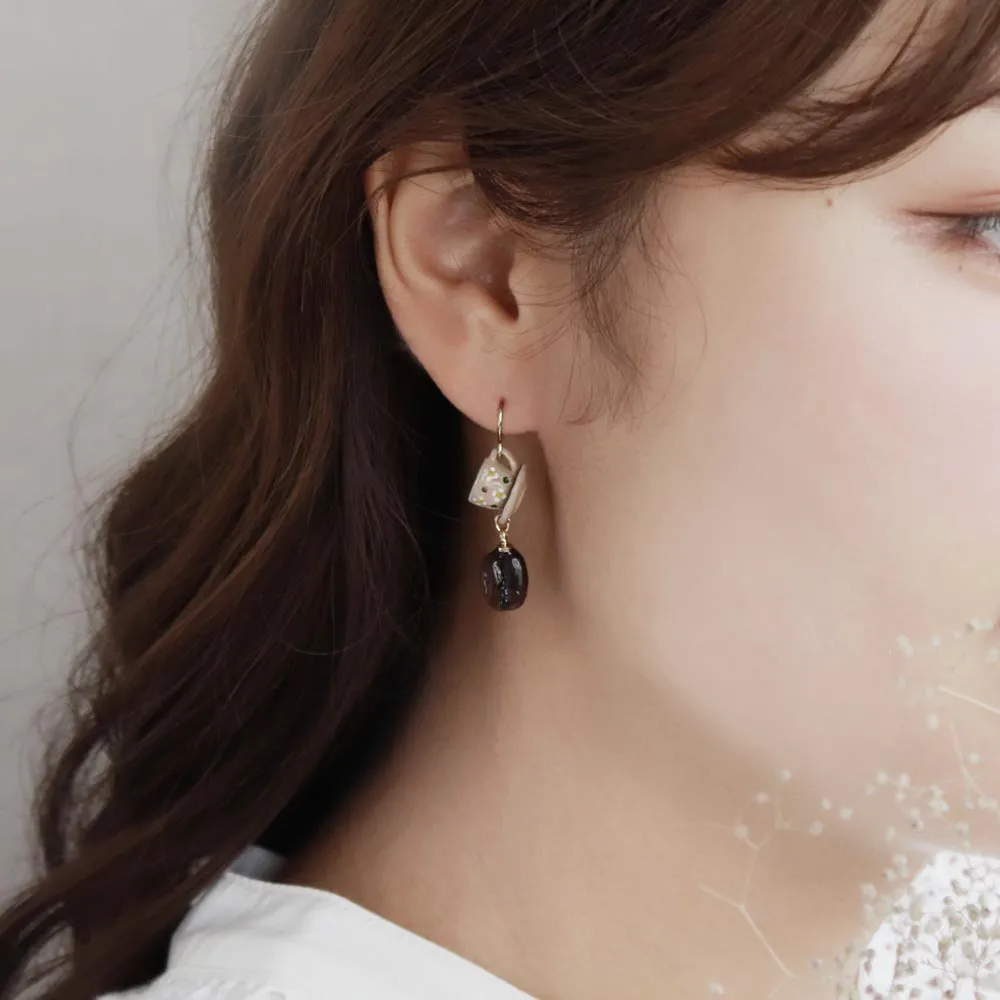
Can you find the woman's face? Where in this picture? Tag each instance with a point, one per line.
(781, 563)
(810, 487)
(789, 546)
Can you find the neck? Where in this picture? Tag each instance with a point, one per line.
(556, 819)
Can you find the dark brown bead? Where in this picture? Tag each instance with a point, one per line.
(505, 579)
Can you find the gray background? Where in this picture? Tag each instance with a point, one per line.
(102, 106)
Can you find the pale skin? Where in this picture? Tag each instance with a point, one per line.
(718, 575)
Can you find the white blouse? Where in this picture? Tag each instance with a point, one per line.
(249, 938)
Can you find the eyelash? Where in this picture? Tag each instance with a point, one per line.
(971, 229)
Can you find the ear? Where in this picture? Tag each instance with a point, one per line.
(465, 295)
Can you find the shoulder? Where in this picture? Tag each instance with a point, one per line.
(249, 938)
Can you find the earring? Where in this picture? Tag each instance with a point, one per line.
(500, 485)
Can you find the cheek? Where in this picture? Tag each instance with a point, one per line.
(850, 380)
(812, 476)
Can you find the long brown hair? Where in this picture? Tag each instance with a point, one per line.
(267, 577)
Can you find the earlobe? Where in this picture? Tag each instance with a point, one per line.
(446, 265)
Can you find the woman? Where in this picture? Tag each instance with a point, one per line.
(698, 302)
